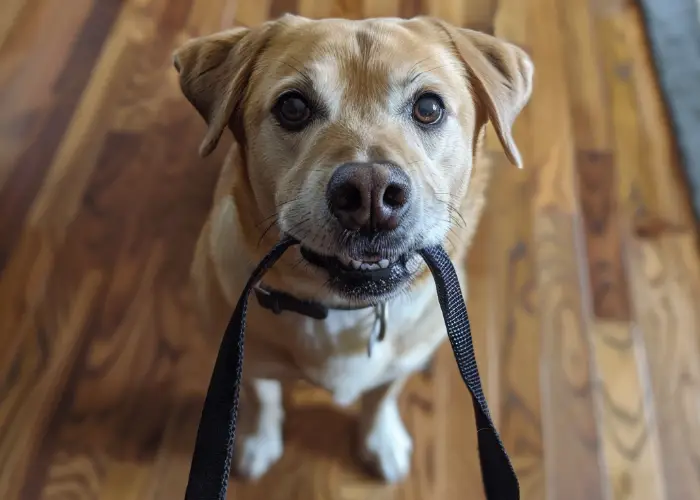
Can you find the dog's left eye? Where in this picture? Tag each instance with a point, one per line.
(428, 109)
(292, 111)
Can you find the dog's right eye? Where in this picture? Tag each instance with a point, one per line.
(292, 111)
(428, 109)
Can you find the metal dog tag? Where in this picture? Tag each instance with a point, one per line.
(381, 313)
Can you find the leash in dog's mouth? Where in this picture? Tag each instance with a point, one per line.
(371, 267)
(371, 278)
(213, 451)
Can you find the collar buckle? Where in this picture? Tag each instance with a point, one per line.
(277, 302)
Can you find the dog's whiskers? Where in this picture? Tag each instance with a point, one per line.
(451, 207)
(299, 226)
(277, 207)
(264, 233)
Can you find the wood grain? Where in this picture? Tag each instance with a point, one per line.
(584, 284)
(630, 439)
(570, 424)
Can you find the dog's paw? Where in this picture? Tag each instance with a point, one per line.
(256, 453)
(387, 447)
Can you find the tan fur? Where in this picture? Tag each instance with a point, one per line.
(361, 69)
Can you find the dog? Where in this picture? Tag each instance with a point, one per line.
(362, 140)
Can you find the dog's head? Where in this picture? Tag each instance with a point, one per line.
(359, 135)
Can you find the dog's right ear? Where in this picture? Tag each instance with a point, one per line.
(214, 71)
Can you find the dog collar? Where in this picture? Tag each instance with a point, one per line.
(277, 301)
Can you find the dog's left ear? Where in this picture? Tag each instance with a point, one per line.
(501, 75)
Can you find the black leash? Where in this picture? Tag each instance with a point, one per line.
(211, 461)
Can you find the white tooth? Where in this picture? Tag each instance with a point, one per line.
(384, 263)
(355, 263)
(365, 266)
(374, 267)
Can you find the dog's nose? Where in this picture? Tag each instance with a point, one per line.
(369, 197)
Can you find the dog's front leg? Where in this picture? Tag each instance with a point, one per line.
(385, 444)
(259, 444)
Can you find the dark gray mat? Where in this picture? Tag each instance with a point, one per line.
(673, 30)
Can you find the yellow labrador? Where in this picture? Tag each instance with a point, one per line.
(362, 140)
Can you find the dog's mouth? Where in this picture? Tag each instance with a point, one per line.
(372, 278)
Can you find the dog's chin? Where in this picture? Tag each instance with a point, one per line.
(368, 281)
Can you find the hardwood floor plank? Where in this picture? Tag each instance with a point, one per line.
(28, 73)
(510, 22)
(172, 465)
(252, 13)
(452, 12)
(672, 204)
(586, 77)
(514, 330)
(629, 144)
(203, 18)
(425, 410)
(58, 201)
(648, 161)
(410, 8)
(480, 14)
(36, 379)
(22, 184)
(10, 14)
(599, 207)
(570, 414)
(509, 287)
(91, 421)
(457, 468)
(386, 8)
(281, 7)
(318, 9)
(596, 165)
(572, 440)
(651, 194)
(667, 309)
(632, 458)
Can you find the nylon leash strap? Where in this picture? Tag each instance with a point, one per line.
(213, 451)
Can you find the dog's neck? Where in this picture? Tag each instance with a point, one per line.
(277, 302)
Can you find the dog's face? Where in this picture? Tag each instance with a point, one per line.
(359, 135)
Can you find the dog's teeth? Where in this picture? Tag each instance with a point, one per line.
(384, 263)
(364, 266)
(374, 267)
(356, 264)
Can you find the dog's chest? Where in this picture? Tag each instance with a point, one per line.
(333, 353)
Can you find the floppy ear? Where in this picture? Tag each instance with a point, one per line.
(214, 71)
(501, 75)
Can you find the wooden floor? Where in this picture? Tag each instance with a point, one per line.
(585, 276)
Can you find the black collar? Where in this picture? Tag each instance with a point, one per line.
(277, 301)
